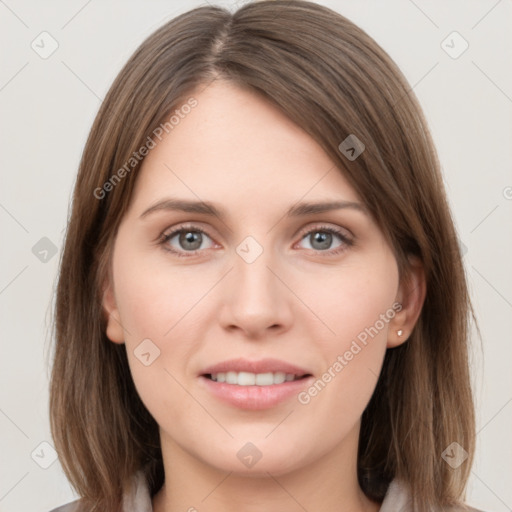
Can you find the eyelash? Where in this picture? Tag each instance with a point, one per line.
(164, 238)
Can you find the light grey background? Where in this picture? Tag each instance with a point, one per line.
(48, 105)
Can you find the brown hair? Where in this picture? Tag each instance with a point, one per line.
(328, 76)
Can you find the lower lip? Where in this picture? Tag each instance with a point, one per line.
(255, 398)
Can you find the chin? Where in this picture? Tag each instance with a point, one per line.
(258, 459)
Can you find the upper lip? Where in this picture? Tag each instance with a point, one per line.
(260, 366)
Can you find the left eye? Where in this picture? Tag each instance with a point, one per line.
(322, 239)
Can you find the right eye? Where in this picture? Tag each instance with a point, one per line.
(188, 241)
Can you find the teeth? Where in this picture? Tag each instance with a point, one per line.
(253, 379)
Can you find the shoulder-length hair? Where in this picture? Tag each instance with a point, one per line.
(333, 80)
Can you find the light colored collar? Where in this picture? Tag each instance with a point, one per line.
(138, 499)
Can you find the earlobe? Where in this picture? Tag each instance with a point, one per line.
(114, 329)
(411, 296)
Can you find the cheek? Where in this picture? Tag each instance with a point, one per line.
(356, 305)
(163, 304)
(153, 297)
(352, 300)
(153, 305)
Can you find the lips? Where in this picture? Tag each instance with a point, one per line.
(275, 382)
(261, 366)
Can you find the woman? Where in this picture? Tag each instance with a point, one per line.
(261, 302)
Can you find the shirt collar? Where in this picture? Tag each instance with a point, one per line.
(138, 499)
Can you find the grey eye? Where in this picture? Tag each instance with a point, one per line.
(321, 240)
(187, 240)
(190, 240)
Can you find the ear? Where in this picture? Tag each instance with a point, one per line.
(114, 329)
(411, 295)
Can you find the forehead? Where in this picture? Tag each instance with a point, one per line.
(236, 148)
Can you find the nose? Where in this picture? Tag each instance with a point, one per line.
(257, 300)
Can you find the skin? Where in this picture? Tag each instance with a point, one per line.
(295, 302)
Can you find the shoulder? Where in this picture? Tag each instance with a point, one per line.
(398, 499)
(464, 508)
(136, 497)
(73, 506)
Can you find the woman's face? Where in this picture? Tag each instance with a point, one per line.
(317, 291)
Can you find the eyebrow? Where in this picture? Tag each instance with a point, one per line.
(208, 208)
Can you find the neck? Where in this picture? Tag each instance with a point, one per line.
(329, 484)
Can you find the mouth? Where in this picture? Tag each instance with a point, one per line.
(254, 385)
(255, 379)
